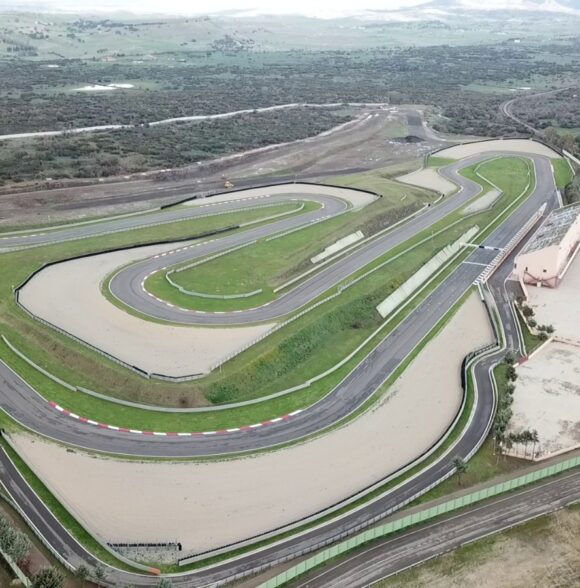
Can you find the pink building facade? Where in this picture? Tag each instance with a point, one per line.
(545, 258)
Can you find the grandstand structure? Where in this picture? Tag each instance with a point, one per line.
(546, 257)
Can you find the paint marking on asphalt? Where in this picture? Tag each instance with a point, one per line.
(85, 420)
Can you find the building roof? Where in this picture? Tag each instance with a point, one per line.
(554, 228)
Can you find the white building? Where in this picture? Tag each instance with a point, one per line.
(545, 258)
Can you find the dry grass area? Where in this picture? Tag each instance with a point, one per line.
(544, 553)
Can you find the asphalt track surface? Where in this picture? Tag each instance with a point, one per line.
(23, 404)
(399, 553)
(332, 206)
(29, 408)
(127, 285)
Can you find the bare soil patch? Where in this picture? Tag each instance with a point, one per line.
(504, 145)
(430, 179)
(213, 504)
(547, 399)
(68, 295)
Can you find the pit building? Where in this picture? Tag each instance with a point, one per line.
(545, 258)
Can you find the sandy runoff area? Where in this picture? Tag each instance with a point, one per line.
(206, 505)
(483, 202)
(559, 306)
(430, 179)
(68, 295)
(516, 145)
(547, 398)
(357, 199)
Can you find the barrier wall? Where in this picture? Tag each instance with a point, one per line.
(418, 517)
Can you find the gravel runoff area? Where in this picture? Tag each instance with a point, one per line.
(88, 315)
(483, 202)
(519, 145)
(357, 199)
(430, 179)
(206, 505)
(559, 306)
(547, 398)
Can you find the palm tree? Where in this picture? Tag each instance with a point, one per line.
(535, 439)
(460, 467)
(508, 444)
(516, 438)
(526, 438)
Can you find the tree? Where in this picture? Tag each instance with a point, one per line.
(20, 547)
(511, 373)
(6, 534)
(81, 574)
(460, 467)
(535, 439)
(549, 329)
(509, 358)
(527, 311)
(508, 444)
(47, 578)
(164, 583)
(543, 336)
(100, 574)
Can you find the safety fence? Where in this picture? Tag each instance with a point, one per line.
(418, 517)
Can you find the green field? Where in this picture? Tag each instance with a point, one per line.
(270, 263)
(563, 172)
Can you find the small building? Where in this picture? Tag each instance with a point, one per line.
(547, 255)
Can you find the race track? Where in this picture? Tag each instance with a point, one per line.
(27, 407)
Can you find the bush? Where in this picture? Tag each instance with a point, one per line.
(527, 311)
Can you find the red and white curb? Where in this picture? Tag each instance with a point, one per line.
(81, 419)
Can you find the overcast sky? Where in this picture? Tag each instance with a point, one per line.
(321, 8)
(310, 7)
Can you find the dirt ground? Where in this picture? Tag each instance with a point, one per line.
(559, 306)
(547, 399)
(213, 504)
(544, 553)
(370, 144)
(518, 145)
(482, 203)
(357, 199)
(68, 295)
(430, 179)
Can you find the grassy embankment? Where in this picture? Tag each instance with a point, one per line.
(265, 367)
(562, 172)
(269, 263)
(434, 161)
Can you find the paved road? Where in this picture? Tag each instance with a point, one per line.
(388, 557)
(23, 403)
(329, 206)
(506, 107)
